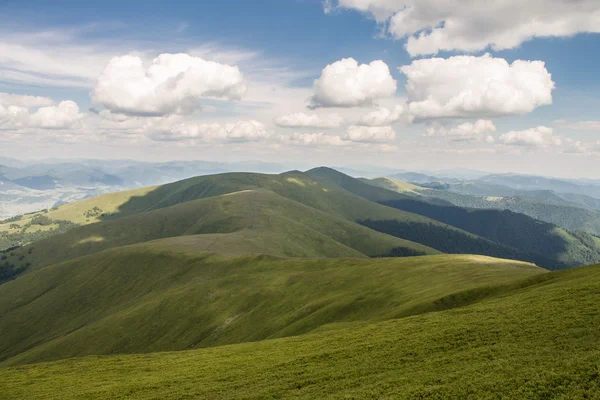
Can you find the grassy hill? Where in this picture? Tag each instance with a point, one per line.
(295, 214)
(513, 235)
(563, 214)
(536, 339)
(156, 296)
(247, 222)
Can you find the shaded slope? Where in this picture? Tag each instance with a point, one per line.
(146, 298)
(537, 341)
(516, 235)
(515, 230)
(254, 221)
(562, 214)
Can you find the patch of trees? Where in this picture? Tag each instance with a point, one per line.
(505, 227)
(9, 271)
(94, 212)
(452, 241)
(403, 252)
(41, 220)
(22, 237)
(568, 217)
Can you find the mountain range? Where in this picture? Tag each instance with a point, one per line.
(296, 272)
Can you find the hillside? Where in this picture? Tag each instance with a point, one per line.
(294, 228)
(246, 222)
(515, 236)
(532, 340)
(551, 210)
(156, 297)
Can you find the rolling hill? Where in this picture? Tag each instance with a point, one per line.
(166, 295)
(533, 339)
(519, 236)
(313, 214)
(552, 209)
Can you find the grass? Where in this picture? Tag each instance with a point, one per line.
(247, 222)
(537, 339)
(395, 185)
(152, 297)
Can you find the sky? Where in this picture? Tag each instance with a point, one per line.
(407, 84)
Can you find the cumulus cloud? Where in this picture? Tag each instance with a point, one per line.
(165, 130)
(468, 131)
(345, 83)
(370, 134)
(469, 86)
(383, 116)
(62, 116)
(540, 136)
(302, 120)
(445, 25)
(171, 84)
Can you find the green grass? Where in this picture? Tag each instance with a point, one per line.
(395, 185)
(247, 222)
(538, 339)
(151, 297)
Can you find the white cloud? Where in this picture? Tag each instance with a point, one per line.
(165, 130)
(370, 134)
(62, 116)
(302, 120)
(171, 84)
(17, 118)
(467, 131)
(345, 83)
(9, 99)
(444, 25)
(468, 86)
(540, 136)
(383, 116)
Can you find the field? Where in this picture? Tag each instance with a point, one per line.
(152, 297)
(536, 339)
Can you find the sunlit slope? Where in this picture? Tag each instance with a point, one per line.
(535, 340)
(247, 222)
(395, 185)
(148, 297)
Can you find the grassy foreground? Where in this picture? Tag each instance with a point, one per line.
(154, 297)
(535, 340)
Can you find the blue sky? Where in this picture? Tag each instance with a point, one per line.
(60, 51)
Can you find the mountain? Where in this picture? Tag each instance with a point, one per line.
(166, 295)
(551, 211)
(530, 182)
(519, 236)
(176, 209)
(536, 338)
(415, 177)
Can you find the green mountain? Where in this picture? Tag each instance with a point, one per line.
(534, 339)
(515, 235)
(165, 295)
(320, 213)
(552, 210)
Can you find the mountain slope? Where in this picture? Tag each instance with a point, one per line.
(156, 297)
(247, 222)
(535, 340)
(518, 236)
(563, 214)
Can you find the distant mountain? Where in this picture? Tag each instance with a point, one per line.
(548, 207)
(529, 182)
